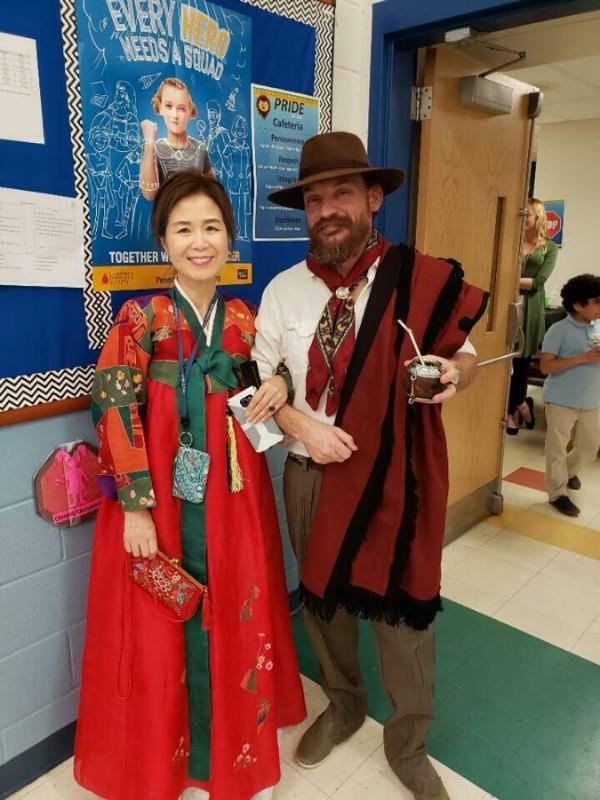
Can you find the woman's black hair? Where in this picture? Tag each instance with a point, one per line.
(186, 184)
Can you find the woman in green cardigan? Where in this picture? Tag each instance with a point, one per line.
(539, 259)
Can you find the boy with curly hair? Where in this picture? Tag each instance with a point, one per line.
(570, 358)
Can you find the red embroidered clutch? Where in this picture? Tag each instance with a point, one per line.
(171, 585)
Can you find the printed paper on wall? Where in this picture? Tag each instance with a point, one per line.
(281, 123)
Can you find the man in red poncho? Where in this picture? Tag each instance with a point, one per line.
(366, 480)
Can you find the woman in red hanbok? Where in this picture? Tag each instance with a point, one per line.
(167, 705)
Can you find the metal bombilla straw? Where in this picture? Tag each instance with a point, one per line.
(412, 338)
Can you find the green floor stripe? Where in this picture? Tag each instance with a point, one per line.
(516, 716)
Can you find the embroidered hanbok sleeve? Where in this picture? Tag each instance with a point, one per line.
(118, 393)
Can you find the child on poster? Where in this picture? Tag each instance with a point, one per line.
(176, 152)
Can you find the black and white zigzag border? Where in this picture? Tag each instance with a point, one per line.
(322, 18)
(64, 384)
(45, 387)
(98, 311)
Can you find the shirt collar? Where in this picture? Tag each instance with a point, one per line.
(577, 323)
(370, 275)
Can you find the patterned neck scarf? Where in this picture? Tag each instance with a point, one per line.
(331, 349)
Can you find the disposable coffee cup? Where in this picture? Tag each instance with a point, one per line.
(422, 380)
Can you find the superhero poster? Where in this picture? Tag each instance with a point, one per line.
(165, 86)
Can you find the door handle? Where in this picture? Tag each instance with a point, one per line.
(514, 325)
(515, 335)
(515, 353)
(498, 359)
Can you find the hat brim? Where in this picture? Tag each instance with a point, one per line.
(292, 196)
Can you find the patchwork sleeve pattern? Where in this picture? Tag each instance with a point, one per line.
(118, 395)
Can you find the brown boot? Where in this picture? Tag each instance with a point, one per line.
(441, 795)
(320, 739)
(417, 773)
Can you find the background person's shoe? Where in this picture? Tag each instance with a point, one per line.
(320, 739)
(531, 424)
(574, 483)
(565, 505)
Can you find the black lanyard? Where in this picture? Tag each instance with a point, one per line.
(185, 369)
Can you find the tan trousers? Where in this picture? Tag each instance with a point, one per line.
(406, 657)
(562, 464)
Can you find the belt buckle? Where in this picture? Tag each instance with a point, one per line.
(302, 460)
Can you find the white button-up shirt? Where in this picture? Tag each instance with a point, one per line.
(290, 310)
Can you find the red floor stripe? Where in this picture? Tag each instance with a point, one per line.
(532, 478)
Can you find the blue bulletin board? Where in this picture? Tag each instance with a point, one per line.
(55, 334)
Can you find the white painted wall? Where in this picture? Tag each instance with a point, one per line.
(352, 66)
(568, 169)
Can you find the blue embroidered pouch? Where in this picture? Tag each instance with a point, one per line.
(190, 472)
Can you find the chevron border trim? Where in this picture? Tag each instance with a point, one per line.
(322, 18)
(45, 387)
(98, 311)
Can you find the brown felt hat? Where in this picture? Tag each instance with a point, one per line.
(333, 155)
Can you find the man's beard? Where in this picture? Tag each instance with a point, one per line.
(336, 253)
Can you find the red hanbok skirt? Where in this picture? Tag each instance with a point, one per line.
(133, 735)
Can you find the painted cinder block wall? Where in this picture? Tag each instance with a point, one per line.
(44, 570)
(43, 582)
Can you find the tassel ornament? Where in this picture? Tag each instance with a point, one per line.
(236, 479)
(206, 617)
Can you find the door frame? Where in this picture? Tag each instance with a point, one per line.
(398, 35)
(398, 32)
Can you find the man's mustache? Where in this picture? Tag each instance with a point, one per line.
(323, 223)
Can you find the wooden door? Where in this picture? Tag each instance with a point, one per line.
(473, 173)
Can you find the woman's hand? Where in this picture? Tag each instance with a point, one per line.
(149, 131)
(271, 396)
(139, 534)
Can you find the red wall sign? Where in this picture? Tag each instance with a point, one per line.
(555, 220)
(553, 224)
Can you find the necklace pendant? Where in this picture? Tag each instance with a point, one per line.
(343, 293)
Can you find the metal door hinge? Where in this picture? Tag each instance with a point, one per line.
(421, 102)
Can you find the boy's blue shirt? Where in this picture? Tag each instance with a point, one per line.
(577, 387)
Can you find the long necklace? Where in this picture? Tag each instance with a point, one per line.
(178, 152)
